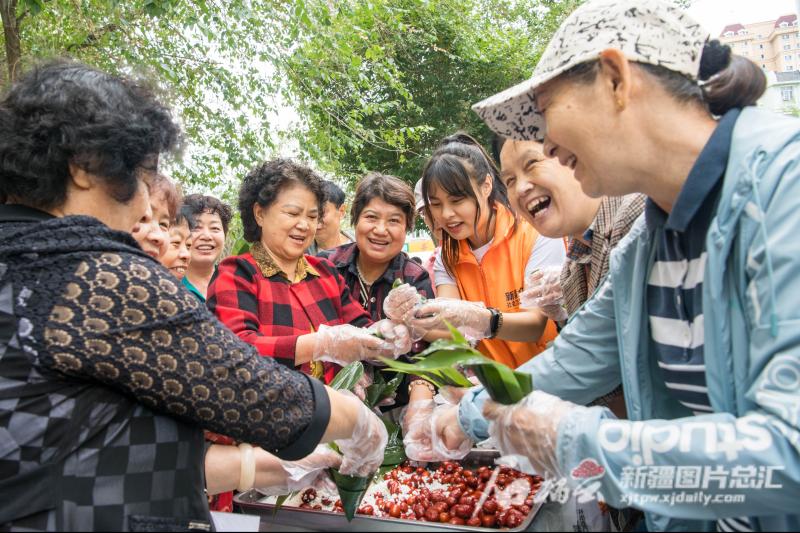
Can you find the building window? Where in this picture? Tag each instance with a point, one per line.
(761, 46)
(787, 94)
(785, 36)
(728, 34)
(784, 24)
(789, 68)
(787, 46)
(762, 56)
(787, 58)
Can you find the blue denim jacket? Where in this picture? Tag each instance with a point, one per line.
(752, 352)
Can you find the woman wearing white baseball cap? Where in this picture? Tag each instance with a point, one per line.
(697, 318)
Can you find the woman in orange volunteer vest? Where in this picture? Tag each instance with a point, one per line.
(486, 254)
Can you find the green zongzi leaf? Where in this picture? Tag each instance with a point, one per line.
(351, 491)
(446, 360)
(347, 377)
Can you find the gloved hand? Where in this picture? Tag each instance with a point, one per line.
(362, 453)
(360, 388)
(395, 334)
(449, 440)
(347, 343)
(472, 319)
(304, 473)
(400, 301)
(530, 428)
(282, 477)
(543, 290)
(416, 424)
(431, 432)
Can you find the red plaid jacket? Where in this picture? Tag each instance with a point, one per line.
(270, 312)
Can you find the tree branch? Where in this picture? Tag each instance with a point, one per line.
(94, 37)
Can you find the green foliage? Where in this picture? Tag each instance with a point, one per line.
(211, 61)
(376, 84)
(380, 83)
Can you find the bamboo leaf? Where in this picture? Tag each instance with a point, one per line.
(347, 377)
(457, 336)
(381, 389)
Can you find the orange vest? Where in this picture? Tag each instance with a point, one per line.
(498, 280)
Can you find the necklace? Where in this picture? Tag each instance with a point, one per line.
(364, 287)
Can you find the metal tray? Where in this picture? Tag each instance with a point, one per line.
(311, 520)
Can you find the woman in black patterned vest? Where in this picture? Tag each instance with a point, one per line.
(109, 369)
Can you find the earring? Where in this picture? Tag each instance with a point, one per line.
(620, 105)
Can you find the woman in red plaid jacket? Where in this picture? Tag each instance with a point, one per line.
(290, 306)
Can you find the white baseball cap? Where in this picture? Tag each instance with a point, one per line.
(647, 31)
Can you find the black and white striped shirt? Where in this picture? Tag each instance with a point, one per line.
(675, 285)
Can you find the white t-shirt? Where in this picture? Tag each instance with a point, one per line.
(546, 252)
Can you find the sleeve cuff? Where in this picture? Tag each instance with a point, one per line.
(305, 443)
(470, 414)
(285, 347)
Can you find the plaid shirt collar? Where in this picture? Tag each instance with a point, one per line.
(602, 226)
(269, 268)
(578, 251)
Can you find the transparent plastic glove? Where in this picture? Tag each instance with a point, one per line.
(304, 473)
(360, 388)
(400, 301)
(395, 334)
(543, 290)
(472, 319)
(448, 440)
(362, 453)
(530, 428)
(347, 343)
(416, 424)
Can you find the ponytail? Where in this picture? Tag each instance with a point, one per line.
(731, 81)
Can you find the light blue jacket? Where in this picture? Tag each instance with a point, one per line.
(751, 305)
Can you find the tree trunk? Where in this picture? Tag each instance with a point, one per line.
(8, 10)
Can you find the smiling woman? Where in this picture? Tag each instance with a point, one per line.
(382, 213)
(486, 254)
(211, 219)
(290, 306)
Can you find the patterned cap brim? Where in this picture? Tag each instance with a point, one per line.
(513, 113)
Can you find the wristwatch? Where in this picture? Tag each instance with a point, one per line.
(495, 322)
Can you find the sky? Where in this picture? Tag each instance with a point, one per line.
(716, 14)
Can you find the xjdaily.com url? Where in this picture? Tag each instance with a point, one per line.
(672, 498)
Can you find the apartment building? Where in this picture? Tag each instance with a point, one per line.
(774, 44)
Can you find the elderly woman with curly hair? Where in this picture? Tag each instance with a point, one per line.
(290, 306)
(109, 369)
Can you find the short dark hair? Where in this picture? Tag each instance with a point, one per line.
(197, 204)
(185, 214)
(63, 113)
(263, 184)
(390, 189)
(333, 193)
(498, 141)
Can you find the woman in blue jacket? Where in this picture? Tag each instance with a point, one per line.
(697, 318)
